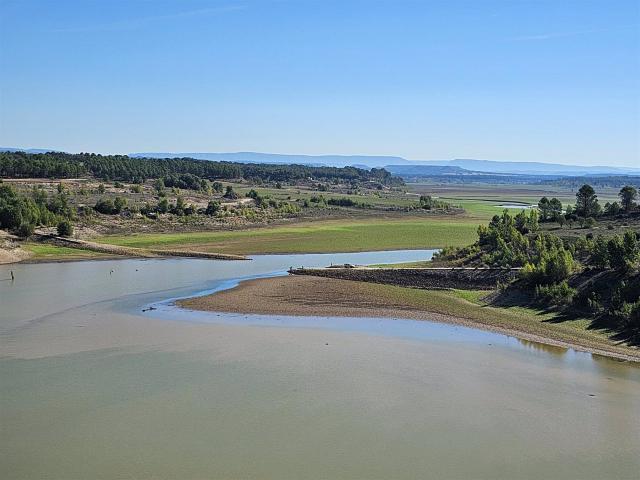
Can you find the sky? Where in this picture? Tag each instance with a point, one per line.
(550, 81)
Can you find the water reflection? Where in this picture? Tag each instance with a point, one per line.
(543, 347)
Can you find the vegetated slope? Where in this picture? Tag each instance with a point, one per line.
(593, 277)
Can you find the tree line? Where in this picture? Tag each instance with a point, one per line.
(137, 170)
(587, 205)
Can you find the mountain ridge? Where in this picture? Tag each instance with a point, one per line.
(456, 166)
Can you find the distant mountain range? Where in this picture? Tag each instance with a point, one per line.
(397, 165)
(255, 157)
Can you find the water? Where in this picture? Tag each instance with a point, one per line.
(92, 387)
(517, 205)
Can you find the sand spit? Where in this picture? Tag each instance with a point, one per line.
(314, 296)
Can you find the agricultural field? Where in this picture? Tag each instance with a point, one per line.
(346, 235)
(482, 201)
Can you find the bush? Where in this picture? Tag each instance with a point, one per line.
(25, 229)
(628, 317)
(230, 193)
(65, 229)
(556, 293)
(554, 266)
(212, 208)
(105, 205)
(118, 204)
(163, 206)
(346, 202)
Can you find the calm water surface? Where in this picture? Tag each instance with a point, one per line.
(93, 387)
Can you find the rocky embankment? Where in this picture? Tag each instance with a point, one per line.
(427, 278)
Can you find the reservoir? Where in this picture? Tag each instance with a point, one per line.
(92, 386)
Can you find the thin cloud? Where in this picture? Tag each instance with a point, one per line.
(141, 22)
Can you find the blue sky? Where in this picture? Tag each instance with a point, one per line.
(551, 81)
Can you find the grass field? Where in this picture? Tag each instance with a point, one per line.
(316, 237)
(44, 251)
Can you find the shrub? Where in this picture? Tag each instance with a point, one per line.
(345, 202)
(555, 293)
(554, 266)
(230, 193)
(25, 229)
(212, 208)
(163, 206)
(65, 229)
(105, 205)
(118, 204)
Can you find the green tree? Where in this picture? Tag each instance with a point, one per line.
(628, 196)
(600, 253)
(623, 251)
(586, 201)
(612, 209)
(545, 208)
(158, 185)
(555, 208)
(521, 222)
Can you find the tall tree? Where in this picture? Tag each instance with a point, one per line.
(586, 201)
(628, 196)
(555, 208)
(544, 207)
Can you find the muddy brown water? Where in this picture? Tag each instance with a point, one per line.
(92, 387)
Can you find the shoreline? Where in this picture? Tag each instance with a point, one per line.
(94, 255)
(325, 297)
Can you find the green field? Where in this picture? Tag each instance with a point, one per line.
(43, 251)
(316, 237)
